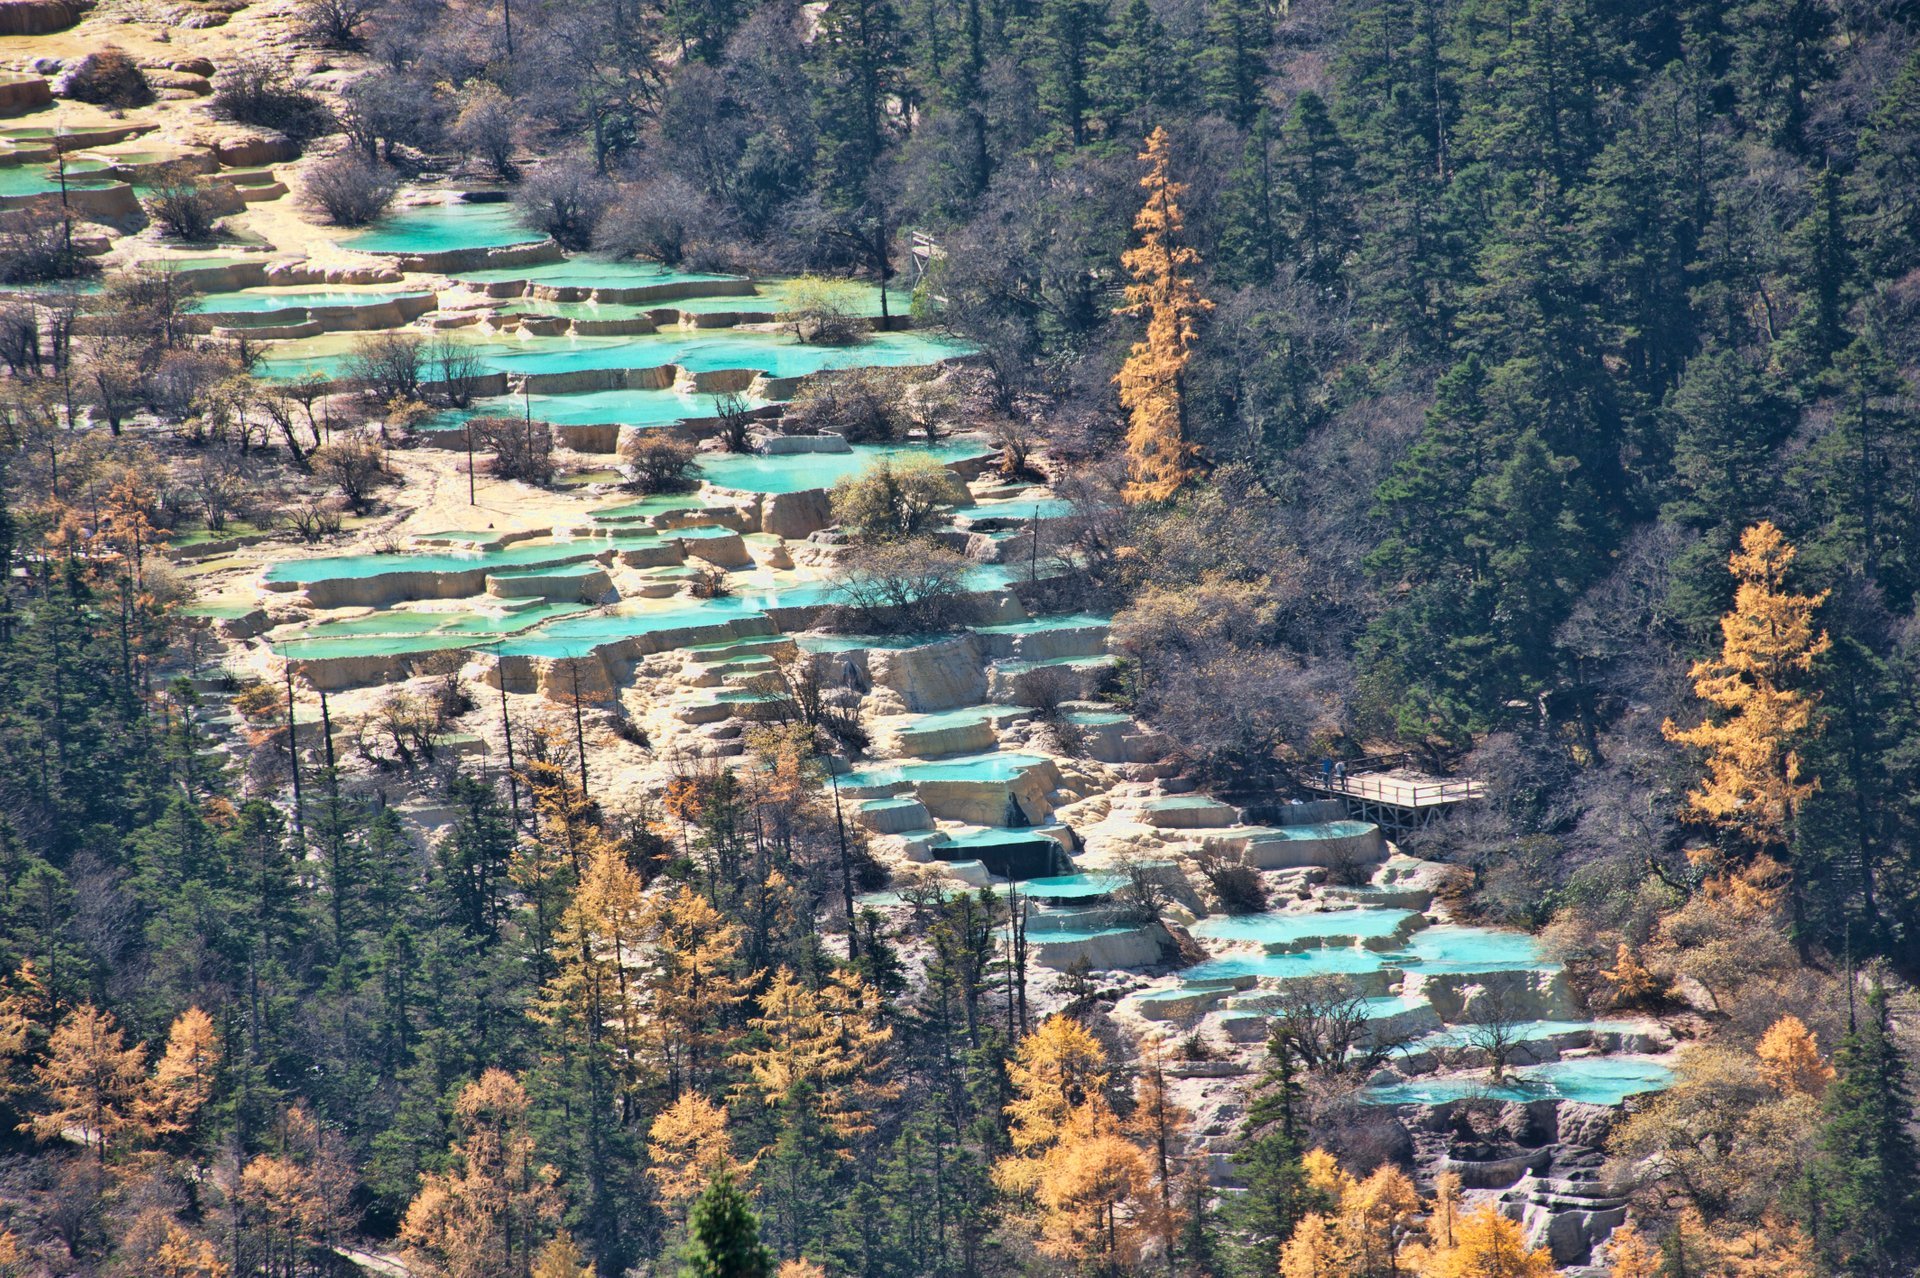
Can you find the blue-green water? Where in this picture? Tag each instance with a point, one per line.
(520, 555)
(973, 767)
(1456, 948)
(798, 472)
(1071, 887)
(1597, 1080)
(1281, 928)
(589, 408)
(434, 228)
(249, 301)
(775, 354)
(589, 270)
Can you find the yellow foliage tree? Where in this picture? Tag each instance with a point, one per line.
(1630, 1255)
(1367, 1228)
(1158, 1124)
(593, 998)
(687, 1146)
(1058, 1070)
(834, 1040)
(1634, 983)
(1487, 1245)
(1754, 784)
(1318, 1248)
(799, 1269)
(1790, 1060)
(183, 1079)
(1776, 1248)
(1069, 1152)
(1446, 1209)
(92, 1080)
(182, 1255)
(1161, 460)
(484, 1218)
(691, 983)
(560, 1258)
(280, 1209)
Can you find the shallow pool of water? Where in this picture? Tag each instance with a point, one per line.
(246, 302)
(434, 228)
(354, 567)
(1074, 887)
(1284, 928)
(1457, 948)
(798, 472)
(1597, 1080)
(974, 767)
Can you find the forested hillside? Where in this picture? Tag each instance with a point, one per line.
(1527, 390)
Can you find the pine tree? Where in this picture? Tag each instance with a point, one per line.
(1233, 59)
(724, 1235)
(1160, 458)
(1867, 1172)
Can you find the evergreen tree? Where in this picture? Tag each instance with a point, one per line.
(1867, 1175)
(724, 1236)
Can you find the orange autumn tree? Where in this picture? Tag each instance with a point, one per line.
(1790, 1060)
(93, 1081)
(487, 1215)
(1161, 460)
(1070, 1155)
(1761, 707)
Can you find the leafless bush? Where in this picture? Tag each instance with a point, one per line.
(34, 246)
(861, 404)
(387, 366)
(564, 197)
(182, 206)
(1236, 885)
(334, 23)
(659, 218)
(348, 189)
(456, 369)
(709, 582)
(354, 464)
(106, 77)
(313, 519)
(261, 92)
(1328, 1028)
(659, 461)
(486, 126)
(913, 585)
(520, 449)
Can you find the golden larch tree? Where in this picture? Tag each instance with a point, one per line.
(1161, 459)
(561, 1258)
(687, 1146)
(1761, 706)
(1790, 1060)
(485, 1217)
(92, 1080)
(1367, 1226)
(1487, 1244)
(1070, 1154)
(834, 1040)
(182, 1080)
(691, 983)
(1630, 1255)
(184, 1255)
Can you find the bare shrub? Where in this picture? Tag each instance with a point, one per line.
(486, 127)
(106, 77)
(334, 23)
(659, 218)
(456, 369)
(263, 93)
(736, 421)
(35, 245)
(348, 189)
(564, 197)
(386, 110)
(914, 585)
(659, 461)
(861, 404)
(1237, 886)
(182, 205)
(352, 463)
(519, 449)
(387, 366)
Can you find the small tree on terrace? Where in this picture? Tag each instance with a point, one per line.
(1160, 458)
(893, 499)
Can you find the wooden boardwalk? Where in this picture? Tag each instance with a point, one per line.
(1398, 798)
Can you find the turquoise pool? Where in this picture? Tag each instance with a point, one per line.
(798, 472)
(1281, 928)
(435, 228)
(1597, 1080)
(974, 767)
